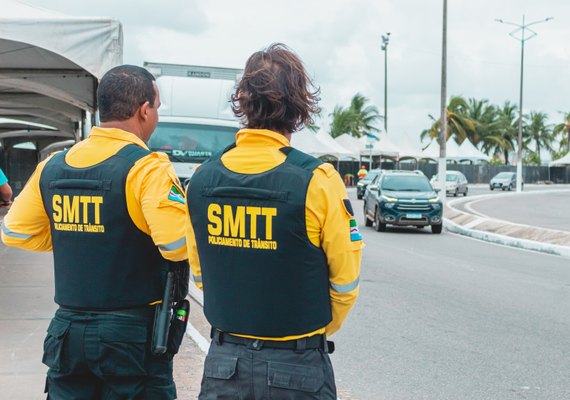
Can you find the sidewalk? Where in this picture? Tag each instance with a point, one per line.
(26, 308)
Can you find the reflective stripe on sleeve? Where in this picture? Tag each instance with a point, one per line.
(349, 287)
(197, 278)
(10, 233)
(174, 245)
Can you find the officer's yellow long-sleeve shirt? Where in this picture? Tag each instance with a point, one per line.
(327, 219)
(148, 187)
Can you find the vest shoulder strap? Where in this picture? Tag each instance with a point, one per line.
(133, 153)
(218, 155)
(59, 156)
(300, 159)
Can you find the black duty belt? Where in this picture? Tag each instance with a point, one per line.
(299, 345)
(142, 311)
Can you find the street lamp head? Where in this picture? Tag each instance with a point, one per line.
(524, 25)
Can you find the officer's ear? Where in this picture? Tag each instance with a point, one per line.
(143, 110)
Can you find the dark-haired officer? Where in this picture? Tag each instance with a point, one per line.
(113, 213)
(274, 242)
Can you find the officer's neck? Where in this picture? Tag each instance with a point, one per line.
(128, 125)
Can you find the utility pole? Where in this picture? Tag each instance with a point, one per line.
(522, 28)
(385, 41)
(442, 168)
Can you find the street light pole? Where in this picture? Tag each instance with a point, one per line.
(385, 41)
(522, 28)
(442, 168)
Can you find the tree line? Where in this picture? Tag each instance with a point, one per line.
(492, 128)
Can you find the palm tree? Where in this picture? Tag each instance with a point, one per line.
(357, 120)
(503, 131)
(483, 116)
(459, 124)
(365, 116)
(341, 121)
(538, 131)
(564, 129)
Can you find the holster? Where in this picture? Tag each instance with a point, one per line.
(168, 331)
(177, 328)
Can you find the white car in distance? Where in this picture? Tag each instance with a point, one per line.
(455, 183)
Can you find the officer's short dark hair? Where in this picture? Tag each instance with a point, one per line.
(275, 92)
(122, 91)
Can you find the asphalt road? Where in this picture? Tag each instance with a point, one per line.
(446, 317)
(545, 209)
(477, 189)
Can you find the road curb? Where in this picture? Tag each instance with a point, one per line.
(525, 244)
(467, 220)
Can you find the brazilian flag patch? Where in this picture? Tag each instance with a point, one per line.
(175, 195)
(354, 232)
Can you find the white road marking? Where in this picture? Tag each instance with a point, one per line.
(200, 340)
(474, 223)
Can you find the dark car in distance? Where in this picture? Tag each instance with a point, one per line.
(363, 183)
(404, 199)
(505, 181)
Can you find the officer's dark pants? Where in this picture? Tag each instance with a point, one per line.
(105, 356)
(239, 372)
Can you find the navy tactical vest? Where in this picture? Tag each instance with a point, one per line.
(262, 275)
(102, 260)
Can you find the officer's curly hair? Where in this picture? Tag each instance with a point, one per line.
(275, 92)
(122, 91)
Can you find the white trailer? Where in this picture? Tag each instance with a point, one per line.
(195, 116)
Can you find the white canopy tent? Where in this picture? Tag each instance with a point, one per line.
(8, 125)
(472, 153)
(342, 152)
(453, 151)
(309, 142)
(380, 147)
(51, 65)
(561, 161)
(407, 149)
(431, 151)
(385, 146)
(349, 142)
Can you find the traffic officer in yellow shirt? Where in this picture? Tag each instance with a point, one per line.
(362, 172)
(273, 241)
(113, 214)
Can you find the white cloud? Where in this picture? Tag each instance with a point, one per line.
(339, 42)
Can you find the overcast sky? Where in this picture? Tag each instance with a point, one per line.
(340, 41)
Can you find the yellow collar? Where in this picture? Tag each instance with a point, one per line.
(117, 134)
(261, 138)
